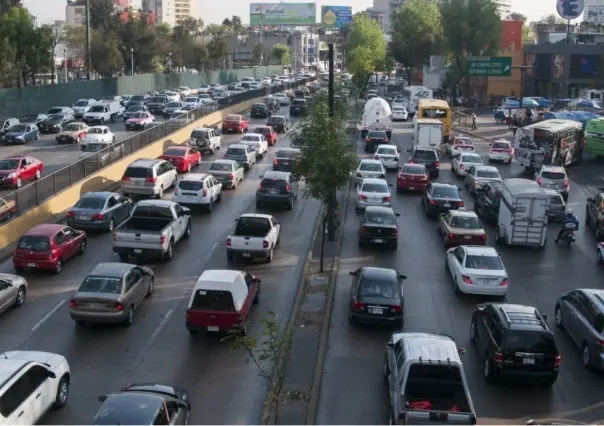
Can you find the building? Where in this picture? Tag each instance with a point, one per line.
(594, 11)
(381, 11)
(378, 15)
(149, 16)
(164, 10)
(75, 11)
(187, 9)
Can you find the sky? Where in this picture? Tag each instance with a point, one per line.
(214, 11)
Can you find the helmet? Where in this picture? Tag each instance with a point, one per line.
(569, 211)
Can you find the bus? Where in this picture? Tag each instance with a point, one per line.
(594, 137)
(549, 142)
(438, 109)
(414, 94)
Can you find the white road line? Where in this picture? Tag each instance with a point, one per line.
(214, 247)
(161, 326)
(48, 315)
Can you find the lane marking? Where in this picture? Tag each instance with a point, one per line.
(161, 326)
(211, 253)
(48, 315)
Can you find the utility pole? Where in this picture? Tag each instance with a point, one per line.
(523, 69)
(65, 63)
(131, 61)
(330, 87)
(262, 34)
(88, 67)
(331, 231)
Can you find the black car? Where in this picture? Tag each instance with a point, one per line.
(272, 103)
(260, 111)
(277, 189)
(440, 198)
(426, 156)
(33, 118)
(53, 124)
(278, 122)
(286, 159)
(157, 104)
(137, 99)
(378, 226)
(514, 342)
(375, 138)
(486, 201)
(132, 103)
(298, 107)
(299, 94)
(376, 297)
(133, 110)
(144, 404)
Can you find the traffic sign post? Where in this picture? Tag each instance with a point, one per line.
(489, 66)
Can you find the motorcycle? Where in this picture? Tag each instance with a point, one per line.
(568, 237)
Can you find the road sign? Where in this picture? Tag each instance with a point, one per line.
(490, 66)
(570, 9)
(520, 113)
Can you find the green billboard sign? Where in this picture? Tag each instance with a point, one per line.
(489, 66)
(269, 14)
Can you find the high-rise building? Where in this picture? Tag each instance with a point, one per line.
(187, 8)
(594, 11)
(164, 10)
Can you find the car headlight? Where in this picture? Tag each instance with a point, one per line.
(12, 175)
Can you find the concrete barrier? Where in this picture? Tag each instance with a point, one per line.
(105, 178)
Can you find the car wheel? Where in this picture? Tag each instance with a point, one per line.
(210, 207)
(599, 255)
(129, 316)
(102, 121)
(169, 252)
(586, 356)
(290, 206)
(350, 318)
(151, 287)
(488, 373)
(558, 316)
(21, 294)
(160, 193)
(38, 174)
(188, 231)
(473, 331)
(18, 183)
(62, 392)
(269, 258)
(58, 267)
(82, 249)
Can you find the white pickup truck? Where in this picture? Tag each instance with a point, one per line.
(152, 230)
(255, 237)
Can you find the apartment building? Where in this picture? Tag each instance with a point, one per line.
(164, 10)
(187, 8)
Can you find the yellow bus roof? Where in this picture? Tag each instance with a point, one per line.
(433, 103)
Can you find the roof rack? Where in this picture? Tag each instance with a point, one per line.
(523, 318)
(436, 362)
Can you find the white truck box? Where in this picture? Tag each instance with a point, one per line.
(427, 132)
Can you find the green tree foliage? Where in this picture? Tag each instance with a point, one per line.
(281, 53)
(107, 57)
(417, 33)
(364, 48)
(552, 20)
(258, 53)
(103, 16)
(6, 5)
(233, 26)
(218, 49)
(7, 63)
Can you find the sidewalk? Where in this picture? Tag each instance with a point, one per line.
(488, 129)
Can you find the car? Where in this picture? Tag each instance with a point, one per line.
(66, 111)
(207, 140)
(140, 120)
(99, 211)
(243, 154)
(15, 170)
(204, 88)
(184, 91)
(137, 100)
(554, 177)
(192, 101)
(8, 209)
(298, 107)
(286, 159)
(34, 382)
(81, 107)
(235, 123)
(486, 201)
(54, 123)
(277, 189)
(272, 103)
(373, 192)
(412, 177)
(378, 226)
(21, 134)
(514, 342)
(47, 247)
(149, 177)
(370, 168)
(283, 99)
(171, 107)
(260, 111)
(376, 297)
(269, 133)
(374, 139)
(100, 153)
(198, 189)
(461, 227)
(98, 134)
(399, 112)
(182, 157)
(228, 172)
(257, 142)
(279, 123)
(501, 150)
(6, 123)
(581, 313)
(461, 163)
(427, 156)
(440, 198)
(111, 293)
(557, 206)
(459, 144)
(74, 132)
(388, 155)
(478, 176)
(29, 118)
(134, 110)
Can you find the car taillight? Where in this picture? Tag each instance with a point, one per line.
(70, 214)
(126, 179)
(162, 239)
(377, 157)
(397, 308)
(557, 361)
(433, 202)
(260, 186)
(230, 176)
(491, 151)
(411, 162)
(367, 140)
(539, 181)
(386, 199)
(504, 282)
(265, 244)
(228, 242)
(450, 236)
(287, 188)
(566, 183)
(114, 236)
(466, 279)
(275, 161)
(498, 357)
(204, 193)
(363, 230)
(151, 180)
(73, 304)
(118, 307)
(395, 232)
(359, 306)
(483, 237)
(460, 204)
(510, 151)
(362, 197)
(437, 164)
(461, 167)
(97, 216)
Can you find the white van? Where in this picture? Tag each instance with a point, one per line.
(523, 213)
(427, 132)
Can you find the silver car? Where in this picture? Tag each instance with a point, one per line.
(148, 177)
(581, 313)
(111, 293)
(373, 192)
(13, 290)
(554, 177)
(99, 211)
(227, 172)
(370, 169)
(477, 176)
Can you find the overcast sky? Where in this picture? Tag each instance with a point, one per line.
(214, 11)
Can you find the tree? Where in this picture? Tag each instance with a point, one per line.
(281, 53)
(257, 54)
(215, 30)
(417, 33)
(270, 355)
(218, 49)
(326, 158)
(16, 25)
(552, 20)
(75, 40)
(6, 5)
(528, 37)
(102, 15)
(8, 70)
(39, 51)
(515, 16)
(107, 58)
(365, 47)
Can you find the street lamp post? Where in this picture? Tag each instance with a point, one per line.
(65, 63)
(88, 65)
(131, 61)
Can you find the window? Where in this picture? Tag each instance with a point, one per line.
(14, 396)
(488, 174)
(68, 233)
(100, 284)
(215, 300)
(483, 262)
(370, 167)
(34, 243)
(190, 185)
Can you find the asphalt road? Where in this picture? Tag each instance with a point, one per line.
(353, 391)
(223, 385)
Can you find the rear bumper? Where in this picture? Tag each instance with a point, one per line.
(372, 239)
(436, 210)
(115, 317)
(35, 264)
(88, 226)
(139, 190)
(191, 201)
(520, 374)
(405, 185)
(276, 199)
(393, 321)
(361, 205)
(247, 254)
(483, 290)
(136, 252)
(283, 168)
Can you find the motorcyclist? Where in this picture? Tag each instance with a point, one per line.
(570, 223)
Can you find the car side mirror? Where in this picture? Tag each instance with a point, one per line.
(183, 406)
(397, 214)
(261, 176)
(459, 189)
(590, 200)
(544, 317)
(398, 150)
(102, 398)
(402, 277)
(352, 273)
(390, 185)
(50, 374)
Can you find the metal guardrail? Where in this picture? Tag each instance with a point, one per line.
(48, 186)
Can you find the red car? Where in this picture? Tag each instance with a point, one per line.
(16, 170)
(412, 177)
(235, 123)
(269, 133)
(47, 247)
(182, 157)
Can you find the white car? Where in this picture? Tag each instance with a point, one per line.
(258, 143)
(373, 192)
(81, 107)
(399, 113)
(184, 92)
(198, 189)
(477, 176)
(501, 150)
(398, 103)
(370, 169)
(266, 81)
(172, 96)
(460, 144)
(388, 155)
(477, 270)
(98, 134)
(463, 161)
(33, 382)
(600, 252)
(255, 85)
(205, 88)
(192, 101)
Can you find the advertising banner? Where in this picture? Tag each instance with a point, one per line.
(335, 16)
(283, 14)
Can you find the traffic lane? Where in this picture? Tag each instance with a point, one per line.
(536, 278)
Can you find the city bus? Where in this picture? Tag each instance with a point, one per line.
(594, 137)
(549, 142)
(438, 109)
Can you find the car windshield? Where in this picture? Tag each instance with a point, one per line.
(465, 222)
(200, 134)
(531, 342)
(19, 128)
(489, 263)
(98, 284)
(376, 135)
(276, 120)
(137, 98)
(71, 127)
(174, 105)
(445, 192)
(93, 203)
(158, 100)
(190, 185)
(501, 145)
(369, 288)
(424, 155)
(221, 167)
(413, 169)
(34, 243)
(370, 167)
(386, 151)
(474, 159)
(95, 147)
(233, 118)
(98, 108)
(380, 218)
(556, 199)
(9, 164)
(213, 300)
(250, 138)
(381, 188)
(175, 152)
(139, 115)
(95, 130)
(286, 154)
(263, 130)
(191, 99)
(55, 117)
(488, 174)
(136, 108)
(299, 102)
(138, 172)
(28, 118)
(81, 103)
(553, 175)
(55, 110)
(236, 151)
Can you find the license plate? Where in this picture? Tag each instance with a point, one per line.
(467, 237)
(273, 191)
(246, 255)
(378, 241)
(95, 305)
(447, 204)
(31, 265)
(378, 311)
(82, 217)
(286, 163)
(412, 188)
(138, 251)
(552, 186)
(528, 361)
(212, 328)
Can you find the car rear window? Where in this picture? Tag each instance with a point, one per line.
(276, 120)
(490, 174)
(370, 167)
(34, 243)
(286, 154)
(465, 222)
(274, 184)
(556, 199)
(445, 192)
(200, 134)
(221, 167)
(489, 263)
(176, 152)
(475, 159)
(380, 218)
(55, 110)
(532, 342)
(252, 226)
(299, 102)
(463, 141)
(263, 130)
(190, 185)
(138, 172)
(235, 151)
(9, 164)
(501, 145)
(386, 151)
(99, 284)
(213, 300)
(369, 288)
(377, 135)
(374, 187)
(553, 175)
(94, 203)
(424, 155)
(232, 118)
(414, 169)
